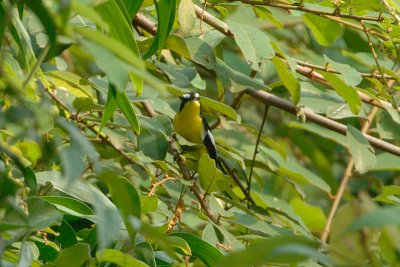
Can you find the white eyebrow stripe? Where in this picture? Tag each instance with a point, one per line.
(186, 96)
(196, 95)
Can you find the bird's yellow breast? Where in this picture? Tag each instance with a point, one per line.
(188, 122)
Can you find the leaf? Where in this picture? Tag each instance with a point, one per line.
(121, 30)
(200, 52)
(77, 255)
(207, 253)
(387, 127)
(324, 30)
(362, 152)
(348, 93)
(179, 243)
(313, 216)
(127, 108)
(125, 197)
(166, 16)
(378, 218)
(148, 203)
(132, 7)
(263, 13)
(254, 44)
(275, 250)
(349, 74)
(186, 16)
(83, 104)
(288, 79)
(144, 252)
(41, 215)
(211, 179)
(153, 143)
(118, 257)
(386, 161)
(69, 205)
(67, 237)
(209, 103)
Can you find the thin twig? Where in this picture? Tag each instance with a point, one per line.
(266, 107)
(162, 181)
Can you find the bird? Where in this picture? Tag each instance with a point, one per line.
(190, 123)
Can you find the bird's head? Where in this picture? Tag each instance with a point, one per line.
(186, 98)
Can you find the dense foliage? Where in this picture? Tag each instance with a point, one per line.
(302, 97)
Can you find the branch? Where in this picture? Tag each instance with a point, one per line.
(310, 10)
(280, 103)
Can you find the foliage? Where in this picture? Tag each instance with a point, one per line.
(90, 173)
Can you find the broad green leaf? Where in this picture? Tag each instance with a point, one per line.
(125, 197)
(179, 243)
(83, 104)
(72, 82)
(121, 30)
(209, 103)
(69, 205)
(312, 216)
(349, 74)
(118, 257)
(26, 255)
(276, 250)
(45, 18)
(132, 7)
(389, 215)
(263, 13)
(207, 253)
(211, 179)
(144, 252)
(153, 142)
(148, 203)
(324, 30)
(166, 15)
(67, 236)
(234, 80)
(186, 16)
(41, 215)
(387, 127)
(127, 108)
(200, 52)
(110, 107)
(362, 152)
(253, 43)
(386, 161)
(389, 195)
(76, 255)
(348, 93)
(288, 79)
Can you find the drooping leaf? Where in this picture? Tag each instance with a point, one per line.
(77, 255)
(288, 79)
(324, 30)
(362, 152)
(348, 93)
(118, 257)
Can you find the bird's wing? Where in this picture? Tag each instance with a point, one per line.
(208, 140)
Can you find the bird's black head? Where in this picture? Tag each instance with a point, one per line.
(189, 97)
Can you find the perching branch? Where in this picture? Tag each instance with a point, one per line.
(280, 103)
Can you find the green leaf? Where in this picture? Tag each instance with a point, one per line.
(186, 16)
(77, 255)
(312, 216)
(45, 18)
(132, 7)
(209, 103)
(166, 16)
(386, 161)
(148, 203)
(253, 43)
(362, 152)
(41, 215)
(121, 30)
(348, 93)
(211, 179)
(125, 197)
(276, 250)
(207, 253)
(110, 107)
(387, 127)
(118, 257)
(200, 52)
(378, 218)
(67, 237)
(179, 243)
(83, 104)
(263, 13)
(127, 108)
(324, 30)
(288, 79)
(69, 205)
(144, 252)
(349, 74)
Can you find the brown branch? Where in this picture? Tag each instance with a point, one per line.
(345, 180)
(195, 188)
(280, 103)
(162, 181)
(311, 10)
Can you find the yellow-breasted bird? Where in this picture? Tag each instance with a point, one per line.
(191, 125)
